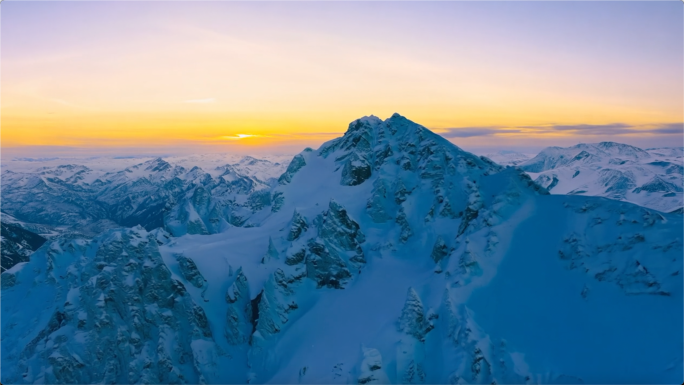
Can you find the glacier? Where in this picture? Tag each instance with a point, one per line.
(388, 255)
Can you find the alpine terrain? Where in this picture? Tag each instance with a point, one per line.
(653, 177)
(388, 255)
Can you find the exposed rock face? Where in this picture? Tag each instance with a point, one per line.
(259, 199)
(630, 274)
(405, 227)
(340, 231)
(298, 226)
(239, 314)
(297, 163)
(546, 181)
(412, 320)
(296, 256)
(336, 249)
(485, 360)
(17, 244)
(356, 170)
(275, 304)
(271, 254)
(325, 266)
(189, 270)
(411, 349)
(379, 208)
(120, 309)
(440, 249)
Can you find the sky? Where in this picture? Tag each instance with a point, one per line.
(189, 77)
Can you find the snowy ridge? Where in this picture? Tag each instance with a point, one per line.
(154, 193)
(652, 178)
(508, 158)
(387, 255)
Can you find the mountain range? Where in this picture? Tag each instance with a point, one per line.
(386, 255)
(652, 178)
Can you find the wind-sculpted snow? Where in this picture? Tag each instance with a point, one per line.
(652, 178)
(425, 264)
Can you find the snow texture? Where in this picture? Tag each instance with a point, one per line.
(393, 257)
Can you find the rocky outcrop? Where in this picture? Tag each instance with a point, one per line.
(259, 200)
(17, 244)
(404, 226)
(411, 348)
(118, 317)
(332, 253)
(379, 207)
(440, 250)
(605, 262)
(239, 314)
(189, 270)
(271, 253)
(295, 165)
(372, 371)
(413, 321)
(275, 305)
(356, 170)
(337, 229)
(484, 359)
(298, 225)
(325, 266)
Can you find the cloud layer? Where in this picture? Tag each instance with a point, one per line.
(616, 129)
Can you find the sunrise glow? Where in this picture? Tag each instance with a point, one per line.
(153, 74)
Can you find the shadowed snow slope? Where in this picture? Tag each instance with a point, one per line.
(651, 178)
(393, 256)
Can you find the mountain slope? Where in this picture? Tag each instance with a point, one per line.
(17, 244)
(652, 178)
(394, 256)
(153, 194)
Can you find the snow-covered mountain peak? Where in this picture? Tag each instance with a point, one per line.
(583, 153)
(157, 164)
(387, 255)
(652, 178)
(371, 144)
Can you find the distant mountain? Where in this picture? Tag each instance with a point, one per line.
(154, 193)
(508, 158)
(387, 255)
(651, 178)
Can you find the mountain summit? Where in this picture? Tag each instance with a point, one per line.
(387, 255)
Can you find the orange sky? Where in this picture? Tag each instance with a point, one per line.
(295, 74)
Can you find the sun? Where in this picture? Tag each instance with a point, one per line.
(240, 136)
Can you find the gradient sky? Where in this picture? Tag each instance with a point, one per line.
(241, 76)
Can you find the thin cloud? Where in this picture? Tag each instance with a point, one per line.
(468, 132)
(616, 129)
(595, 129)
(669, 128)
(201, 101)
